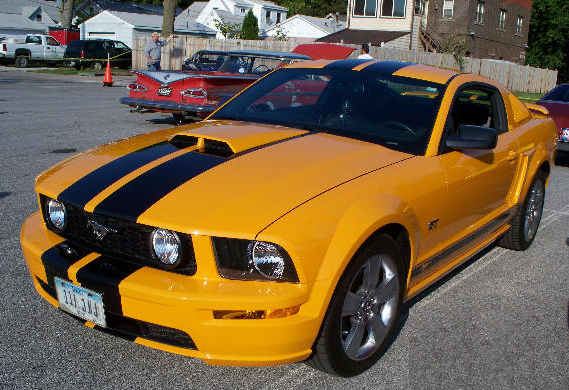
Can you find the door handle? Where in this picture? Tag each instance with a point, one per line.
(513, 155)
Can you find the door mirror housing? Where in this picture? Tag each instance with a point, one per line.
(473, 137)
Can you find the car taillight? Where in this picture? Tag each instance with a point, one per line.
(136, 87)
(195, 93)
(82, 55)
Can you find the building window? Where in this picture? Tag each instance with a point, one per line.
(502, 23)
(242, 10)
(448, 5)
(393, 8)
(365, 7)
(268, 15)
(479, 13)
(278, 17)
(38, 17)
(519, 24)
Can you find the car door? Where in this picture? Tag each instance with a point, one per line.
(478, 180)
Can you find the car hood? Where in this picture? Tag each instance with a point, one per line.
(213, 177)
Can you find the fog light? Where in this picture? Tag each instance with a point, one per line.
(255, 314)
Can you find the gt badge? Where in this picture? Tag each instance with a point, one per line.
(99, 230)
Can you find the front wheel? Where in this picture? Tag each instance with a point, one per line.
(22, 61)
(526, 222)
(363, 312)
(97, 66)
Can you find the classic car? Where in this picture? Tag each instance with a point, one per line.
(295, 221)
(557, 103)
(207, 78)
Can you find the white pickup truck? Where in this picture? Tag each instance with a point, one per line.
(35, 48)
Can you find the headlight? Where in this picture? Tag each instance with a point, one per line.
(56, 214)
(253, 260)
(166, 246)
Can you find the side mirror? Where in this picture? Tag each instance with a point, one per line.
(473, 137)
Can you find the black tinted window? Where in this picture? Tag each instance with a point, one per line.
(558, 94)
(75, 45)
(396, 112)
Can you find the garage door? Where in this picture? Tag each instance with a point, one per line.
(102, 35)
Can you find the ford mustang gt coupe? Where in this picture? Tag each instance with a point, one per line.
(294, 222)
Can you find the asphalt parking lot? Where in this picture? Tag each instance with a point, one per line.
(499, 322)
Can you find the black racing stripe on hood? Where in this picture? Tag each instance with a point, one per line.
(345, 64)
(103, 275)
(386, 67)
(86, 188)
(135, 197)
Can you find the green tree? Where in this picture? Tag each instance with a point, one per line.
(318, 8)
(225, 28)
(250, 28)
(548, 41)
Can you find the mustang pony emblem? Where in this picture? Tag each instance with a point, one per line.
(99, 230)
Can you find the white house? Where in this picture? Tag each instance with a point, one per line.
(233, 11)
(309, 28)
(21, 17)
(126, 26)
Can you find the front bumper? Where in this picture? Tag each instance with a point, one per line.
(166, 106)
(174, 312)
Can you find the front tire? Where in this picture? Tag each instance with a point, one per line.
(526, 222)
(363, 312)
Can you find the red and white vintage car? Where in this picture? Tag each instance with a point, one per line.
(206, 78)
(210, 77)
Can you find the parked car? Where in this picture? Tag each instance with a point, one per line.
(294, 222)
(207, 78)
(35, 48)
(84, 53)
(557, 103)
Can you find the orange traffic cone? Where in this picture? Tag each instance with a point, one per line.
(108, 80)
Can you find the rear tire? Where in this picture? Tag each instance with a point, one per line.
(363, 312)
(22, 61)
(97, 66)
(526, 222)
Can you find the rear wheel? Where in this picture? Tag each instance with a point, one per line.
(178, 118)
(526, 222)
(22, 61)
(363, 313)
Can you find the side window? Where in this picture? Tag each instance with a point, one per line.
(90, 46)
(51, 41)
(477, 106)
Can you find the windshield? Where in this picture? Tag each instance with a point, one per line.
(396, 112)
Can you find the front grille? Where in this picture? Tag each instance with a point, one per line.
(131, 242)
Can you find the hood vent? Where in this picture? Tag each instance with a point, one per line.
(206, 146)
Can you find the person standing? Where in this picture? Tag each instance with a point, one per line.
(365, 53)
(153, 51)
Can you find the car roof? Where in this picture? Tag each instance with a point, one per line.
(396, 68)
(260, 53)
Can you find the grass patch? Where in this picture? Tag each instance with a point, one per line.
(71, 71)
(528, 97)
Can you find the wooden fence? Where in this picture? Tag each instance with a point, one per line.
(515, 77)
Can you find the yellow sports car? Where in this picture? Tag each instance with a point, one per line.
(294, 222)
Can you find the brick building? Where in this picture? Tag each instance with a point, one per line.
(494, 29)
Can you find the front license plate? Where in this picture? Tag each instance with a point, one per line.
(565, 134)
(165, 91)
(81, 302)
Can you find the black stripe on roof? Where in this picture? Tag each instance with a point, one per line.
(386, 67)
(345, 64)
